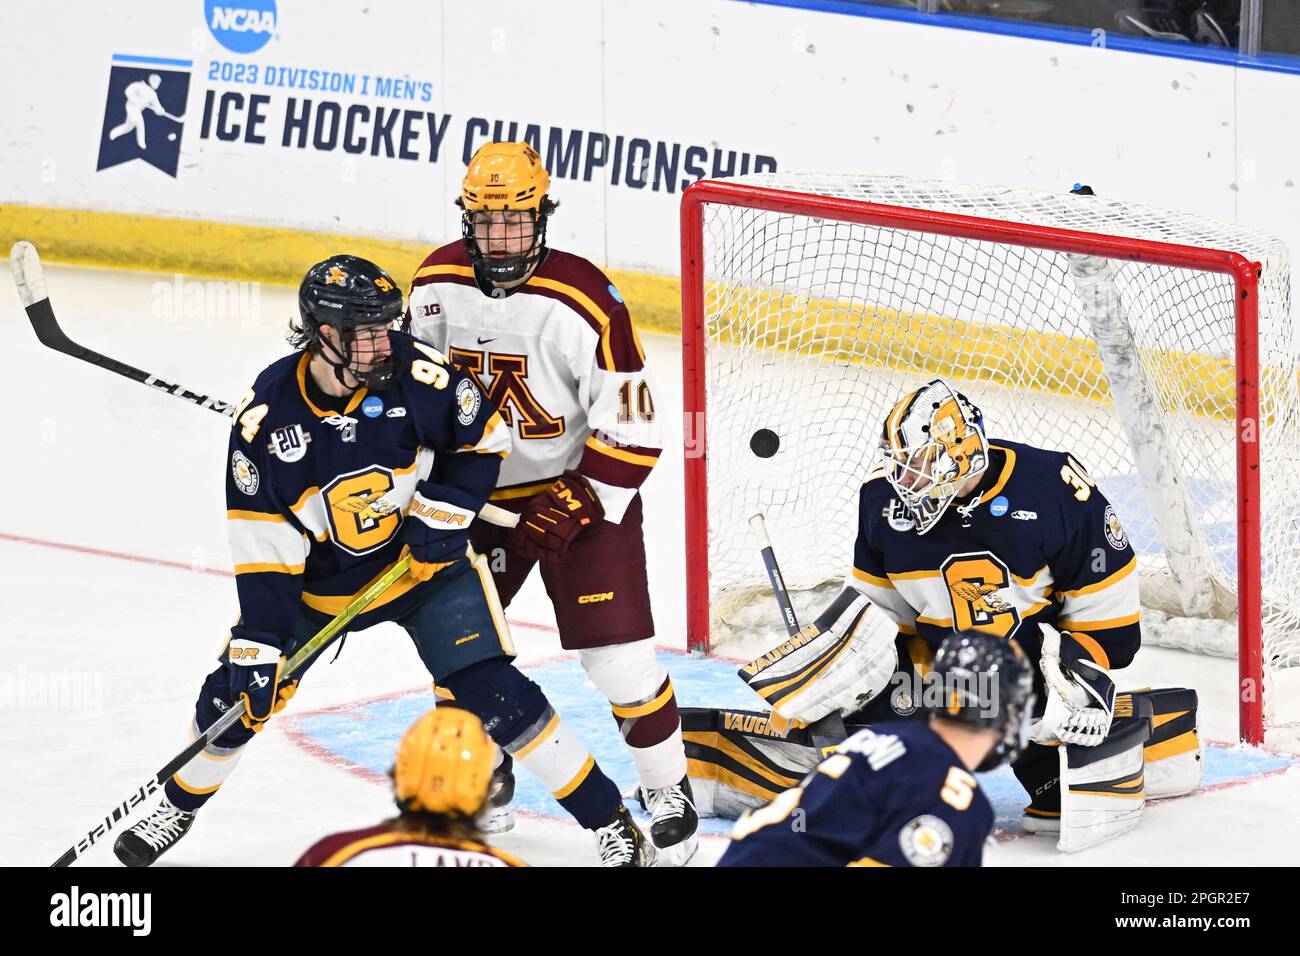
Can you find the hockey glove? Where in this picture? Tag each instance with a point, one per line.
(436, 530)
(553, 519)
(1080, 697)
(253, 663)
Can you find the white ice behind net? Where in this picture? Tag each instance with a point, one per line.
(815, 326)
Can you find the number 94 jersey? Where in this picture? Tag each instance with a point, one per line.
(891, 795)
(316, 497)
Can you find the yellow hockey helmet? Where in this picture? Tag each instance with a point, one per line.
(505, 207)
(444, 764)
(504, 176)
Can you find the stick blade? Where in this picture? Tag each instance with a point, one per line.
(29, 274)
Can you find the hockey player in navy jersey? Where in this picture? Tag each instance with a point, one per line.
(359, 447)
(962, 533)
(903, 793)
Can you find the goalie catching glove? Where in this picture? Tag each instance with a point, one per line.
(1080, 694)
(436, 530)
(253, 662)
(553, 519)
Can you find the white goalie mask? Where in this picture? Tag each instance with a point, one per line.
(933, 443)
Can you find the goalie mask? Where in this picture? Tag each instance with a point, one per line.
(349, 293)
(986, 682)
(505, 208)
(933, 443)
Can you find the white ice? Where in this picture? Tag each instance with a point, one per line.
(100, 655)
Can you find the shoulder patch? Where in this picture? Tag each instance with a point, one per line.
(244, 473)
(1115, 535)
(926, 840)
(468, 401)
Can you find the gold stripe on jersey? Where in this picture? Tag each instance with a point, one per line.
(1002, 478)
(646, 461)
(595, 311)
(577, 780)
(444, 270)
(353, 402)
(935, 621)
(262, 567)
(1105, 582)
(866, 861)
(490, 438)
(334, 605)
(1106, 625)
(913, 575)
(872, 579)
(649, 707)
(1030, 581)
(237, 515)
(521, 491)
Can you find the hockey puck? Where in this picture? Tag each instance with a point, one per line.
(764, 443)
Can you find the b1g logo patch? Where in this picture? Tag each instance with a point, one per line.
(289, 443)
(245, 474)
(1115, 535)
(468, 402)
(926, 841)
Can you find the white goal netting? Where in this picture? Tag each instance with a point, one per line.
(815, 325)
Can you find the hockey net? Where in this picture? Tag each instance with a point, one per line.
(1156, 347)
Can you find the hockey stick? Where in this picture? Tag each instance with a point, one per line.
(292, 666)
(29, 276)
(826, 731)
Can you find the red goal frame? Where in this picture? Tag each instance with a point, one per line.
(1245, 276)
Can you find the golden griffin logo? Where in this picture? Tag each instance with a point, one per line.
(367, 506)
(983, 598)
(336, 276)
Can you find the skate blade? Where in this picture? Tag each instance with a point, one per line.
(679, 854)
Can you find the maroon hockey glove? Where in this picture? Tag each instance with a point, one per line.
(553, 519)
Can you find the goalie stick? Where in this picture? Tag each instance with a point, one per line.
(317, 643)
(29, 277)
(826, 731)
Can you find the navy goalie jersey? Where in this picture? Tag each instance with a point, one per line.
(891, 795)
(1037, 543)
(316, 496)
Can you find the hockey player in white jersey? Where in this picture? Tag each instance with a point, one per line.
(547, 336)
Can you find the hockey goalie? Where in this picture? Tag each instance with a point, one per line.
(957, 532)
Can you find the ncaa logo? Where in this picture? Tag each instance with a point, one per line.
(241, 26)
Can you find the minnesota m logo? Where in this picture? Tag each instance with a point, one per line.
(509, 391)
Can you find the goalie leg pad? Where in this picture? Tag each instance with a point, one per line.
(736, 762)
(1174, 756)
(1102, 787)
(838, 664)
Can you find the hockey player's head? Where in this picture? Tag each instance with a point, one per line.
(933, 446)
(347, 305)
(505, 207)
(444, 764)
(986, 683)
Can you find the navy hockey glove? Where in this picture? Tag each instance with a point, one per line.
(253, 662)
(436, 530)
(553, 519)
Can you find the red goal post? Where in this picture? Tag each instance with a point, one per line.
(924, 225)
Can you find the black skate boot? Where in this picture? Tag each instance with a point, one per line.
(153, 836)
(673, 822)
(621, 842)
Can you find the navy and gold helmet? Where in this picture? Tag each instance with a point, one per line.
(348, 292)
(986, 682)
